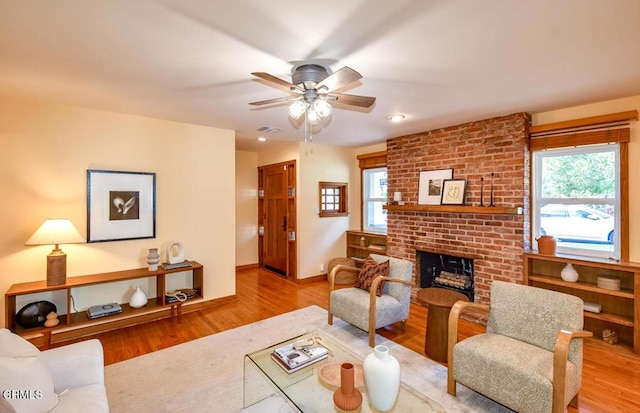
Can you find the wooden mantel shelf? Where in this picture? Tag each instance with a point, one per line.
(463, 209)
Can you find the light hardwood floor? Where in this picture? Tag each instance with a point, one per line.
(611, 380)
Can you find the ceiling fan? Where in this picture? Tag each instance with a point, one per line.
(312, 89)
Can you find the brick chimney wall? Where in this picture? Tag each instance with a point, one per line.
(474, 150)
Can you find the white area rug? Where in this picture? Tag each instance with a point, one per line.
(206, 375)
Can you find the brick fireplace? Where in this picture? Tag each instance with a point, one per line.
(495, 242)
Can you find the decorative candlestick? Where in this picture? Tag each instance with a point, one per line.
(481, 191)
(491, 198)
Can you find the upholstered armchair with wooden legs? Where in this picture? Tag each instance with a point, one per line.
(530, 358)
(365, 309)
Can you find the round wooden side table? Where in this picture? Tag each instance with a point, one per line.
(439, 301)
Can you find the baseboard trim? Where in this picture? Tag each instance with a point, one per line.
(315, 278)
(247, 267)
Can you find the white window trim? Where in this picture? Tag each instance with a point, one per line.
(538, 200)
(366, 200)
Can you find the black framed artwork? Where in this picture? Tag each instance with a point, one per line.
(120, 205)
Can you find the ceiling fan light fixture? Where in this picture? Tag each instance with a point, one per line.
(312, 115)
(297, 108)
(322, 108)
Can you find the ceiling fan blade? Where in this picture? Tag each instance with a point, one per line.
(276, 81)
(353, 100)
(339, 79)
(269, 101)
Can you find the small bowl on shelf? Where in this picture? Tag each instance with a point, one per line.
(608, 283)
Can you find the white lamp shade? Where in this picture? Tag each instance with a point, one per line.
(312, 116)
(297, 108)
(56, 231)
(397, 196)
(322, 108)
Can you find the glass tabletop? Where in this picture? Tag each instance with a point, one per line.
(306, 391)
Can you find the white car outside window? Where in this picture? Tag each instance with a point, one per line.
(576, 223)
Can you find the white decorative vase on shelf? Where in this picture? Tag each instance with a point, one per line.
(153, 259)
(382, 378)
(569, 273)
(138, 299)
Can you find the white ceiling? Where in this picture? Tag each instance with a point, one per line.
(439, 62)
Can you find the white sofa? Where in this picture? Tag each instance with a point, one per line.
(66, 379)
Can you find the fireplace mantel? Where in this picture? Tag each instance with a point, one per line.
(464, 209)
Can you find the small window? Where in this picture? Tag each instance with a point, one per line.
(374, 196)
(333, 199)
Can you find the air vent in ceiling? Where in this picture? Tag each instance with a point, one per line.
(269, 130)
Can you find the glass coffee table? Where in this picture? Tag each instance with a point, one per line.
(305, 391)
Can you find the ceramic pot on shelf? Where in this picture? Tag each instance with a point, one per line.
(382, 378)
(569, 273)
(546, 245)
(347, 397)
(138, 299)
(153, 259)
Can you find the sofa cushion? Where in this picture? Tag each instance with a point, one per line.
(12, 345)
(370, 271)
(25, 382)
(89, 398)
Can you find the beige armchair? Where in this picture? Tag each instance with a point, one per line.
(530, 358)
(364, 309)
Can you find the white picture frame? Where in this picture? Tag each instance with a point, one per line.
(120, 205)
(430, 186)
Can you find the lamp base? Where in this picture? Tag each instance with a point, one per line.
(56, 267)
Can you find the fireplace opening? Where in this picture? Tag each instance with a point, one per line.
(445, 271)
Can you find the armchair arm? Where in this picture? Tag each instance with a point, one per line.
(560, 357)
(373, 301)
(454, 316)
(332, 275)
(75, 365)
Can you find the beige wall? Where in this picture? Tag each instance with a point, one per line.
(603, 108)
(45, 151)
(246, 208)
(319, 239)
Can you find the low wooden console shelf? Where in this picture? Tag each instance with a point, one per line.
(620, 308)
(76, 324)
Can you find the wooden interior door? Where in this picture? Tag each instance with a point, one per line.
(275, 218)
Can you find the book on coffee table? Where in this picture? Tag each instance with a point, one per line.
(293, 359)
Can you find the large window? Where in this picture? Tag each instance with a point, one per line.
(374, 196)
(576, 198)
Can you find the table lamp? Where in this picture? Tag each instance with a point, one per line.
(56, 231)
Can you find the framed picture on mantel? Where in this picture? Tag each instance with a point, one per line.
(430, 186)
(453, 191)
(120, 205)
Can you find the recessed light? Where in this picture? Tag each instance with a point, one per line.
(261, 138)
(396, 118)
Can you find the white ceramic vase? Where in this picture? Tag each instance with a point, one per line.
(138, 299)
(382, 378)
(569, 273)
